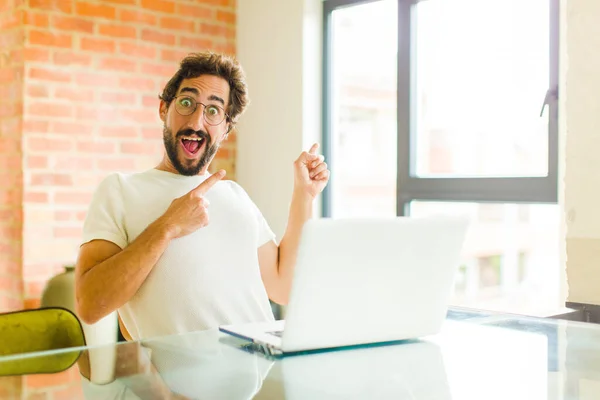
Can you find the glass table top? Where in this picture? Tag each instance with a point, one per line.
(477, 355)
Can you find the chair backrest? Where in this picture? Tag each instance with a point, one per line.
(43, 329)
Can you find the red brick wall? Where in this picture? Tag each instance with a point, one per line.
(79, 85)
(93, 72)
(11, 176)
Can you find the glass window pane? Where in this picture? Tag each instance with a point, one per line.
(363, 109)
(510, 259)
(482, 71)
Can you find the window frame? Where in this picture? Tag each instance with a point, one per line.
(461, 189)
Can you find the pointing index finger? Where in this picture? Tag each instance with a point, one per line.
(313, 149)
(209, 182)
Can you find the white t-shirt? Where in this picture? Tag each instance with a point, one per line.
(207, 278)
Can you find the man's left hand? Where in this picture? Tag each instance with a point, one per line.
(310, 173)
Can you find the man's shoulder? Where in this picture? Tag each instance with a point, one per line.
(125, 178)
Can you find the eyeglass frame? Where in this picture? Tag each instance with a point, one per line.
(226, 116)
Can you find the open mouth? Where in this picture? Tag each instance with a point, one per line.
(192, 144)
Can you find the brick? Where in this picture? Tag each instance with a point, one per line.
(138, 84)
(72, 58)
(65, 6)
(195, 11)
(49, 39)
(137, 50)
(158, 69)
(62, 215)
(11, 39)
(98, 45)
(226, 16)
(74, 94)
(76, 24)
(9, 145)
(74, 163)
(36, 19)
(119, 131)
(36, 197)
(96, 79)
(11, 130)
(8, 75)
(118, 64)
(37, 91)
(151, 133)
(32, 54)
(36, 162)
(30, 304)
(140, 148)
(127, 2)
(177, 24)
(222, 3)
(154, 36)
(17, 56)
(8, 196)
(146, 116)
(51, 180)
(10, 162)
(118, 97)
(68, 232)
(173, 55)
(12, 91)
(118, 30)
(96, 10)
(10, 20)
(10, 284)
(195, 43)
(72, 197)
(47, 109)
(42, 143)
(150, 101)
(135, 16)
(35, 126)
(217, 30)
(116, 164)
(10, 110)
(225, 48)
(96, 113)
(159, 5)
(70, 128)
(49, 75)
(96, 147)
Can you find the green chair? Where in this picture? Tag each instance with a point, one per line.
(39, 330)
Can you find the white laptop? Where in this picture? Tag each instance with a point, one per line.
(365, 281)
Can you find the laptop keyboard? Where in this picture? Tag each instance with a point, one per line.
(276, 333)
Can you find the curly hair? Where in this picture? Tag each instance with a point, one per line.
(209, 63)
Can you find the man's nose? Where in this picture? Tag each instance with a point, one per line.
(196, 120)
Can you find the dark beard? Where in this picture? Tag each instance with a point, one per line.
(192, 167)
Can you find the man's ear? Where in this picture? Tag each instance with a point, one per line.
(162, 110)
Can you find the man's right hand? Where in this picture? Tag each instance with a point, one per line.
(189, 212)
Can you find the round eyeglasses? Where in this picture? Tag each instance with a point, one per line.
(186, 105)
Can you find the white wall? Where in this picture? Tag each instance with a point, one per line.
(582, 162)
(279, 47)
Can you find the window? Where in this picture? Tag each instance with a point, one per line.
(450, 106)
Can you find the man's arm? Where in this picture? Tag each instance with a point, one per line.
(277, 263)
(106, 277)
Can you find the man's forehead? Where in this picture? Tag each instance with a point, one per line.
(207, 85)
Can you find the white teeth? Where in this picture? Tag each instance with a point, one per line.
(194, 139)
